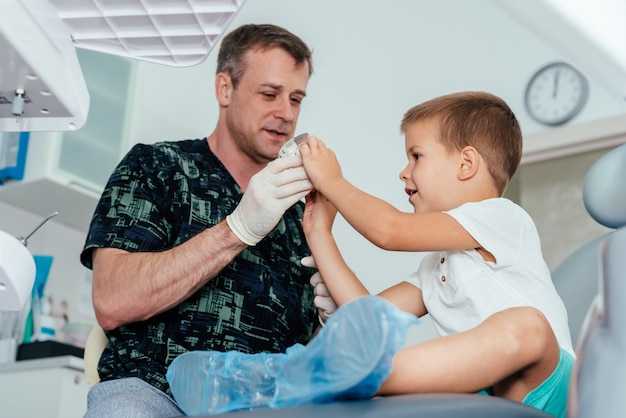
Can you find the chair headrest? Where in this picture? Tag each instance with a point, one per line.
(604, 189)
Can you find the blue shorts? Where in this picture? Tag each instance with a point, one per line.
(551, 395)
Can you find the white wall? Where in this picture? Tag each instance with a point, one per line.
(372, 62)
(551, 192)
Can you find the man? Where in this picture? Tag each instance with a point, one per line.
(181, 260)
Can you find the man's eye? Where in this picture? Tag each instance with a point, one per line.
(416, 156)
(296, 100)
(269, 95)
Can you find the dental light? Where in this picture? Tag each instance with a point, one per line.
(41, 83)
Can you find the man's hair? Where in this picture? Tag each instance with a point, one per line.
(479, 119)
(234, 46)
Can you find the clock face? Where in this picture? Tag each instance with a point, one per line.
(556, 93)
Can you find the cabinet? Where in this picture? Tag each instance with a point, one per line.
(66, 171)
(47, 388)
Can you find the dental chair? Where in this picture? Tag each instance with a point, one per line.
(592, 283)
(595, 274)
(604, 196)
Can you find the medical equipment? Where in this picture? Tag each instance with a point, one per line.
(41, 82)
(17, 269)
(292, 146)
(17, 273)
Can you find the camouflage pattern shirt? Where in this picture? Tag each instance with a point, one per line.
(158, 197)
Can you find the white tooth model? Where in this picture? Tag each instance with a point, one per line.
(17, 273)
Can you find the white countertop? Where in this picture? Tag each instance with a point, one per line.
(71, 362)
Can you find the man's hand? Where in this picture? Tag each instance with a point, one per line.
(323, 301)
(270, 193)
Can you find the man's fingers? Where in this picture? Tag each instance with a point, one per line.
(309, 261)
(321, 290)
(325, 304)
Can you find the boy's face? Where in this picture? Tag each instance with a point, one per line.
(430, 176)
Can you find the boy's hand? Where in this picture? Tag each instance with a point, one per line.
(319, 214)
(319, 162)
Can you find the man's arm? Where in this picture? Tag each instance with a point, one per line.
(129, 286)
(134, 286)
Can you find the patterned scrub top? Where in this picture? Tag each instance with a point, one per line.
(158, 197)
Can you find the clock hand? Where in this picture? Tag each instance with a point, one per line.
(556, 83)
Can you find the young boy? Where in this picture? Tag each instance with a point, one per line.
(484, 282)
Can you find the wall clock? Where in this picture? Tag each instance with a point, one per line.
(556, 93)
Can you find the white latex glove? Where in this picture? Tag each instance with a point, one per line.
(270, 193)
(324, 303)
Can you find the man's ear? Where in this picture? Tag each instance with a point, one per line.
(223, 88)
(468, 163)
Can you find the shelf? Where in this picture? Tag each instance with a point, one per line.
(75, 203)
(71, 362)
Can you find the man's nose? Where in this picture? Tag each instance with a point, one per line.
(285, 109)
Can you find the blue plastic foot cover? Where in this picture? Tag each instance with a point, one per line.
(349, 359)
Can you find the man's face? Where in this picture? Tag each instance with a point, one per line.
(263, 110)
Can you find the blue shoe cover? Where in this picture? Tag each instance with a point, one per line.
(349, 359)
(213, 382)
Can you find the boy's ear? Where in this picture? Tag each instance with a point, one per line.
(223, 88)
(468, 163)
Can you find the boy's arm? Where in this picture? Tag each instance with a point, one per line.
(406, 297)
(378, 221)
(342, 283)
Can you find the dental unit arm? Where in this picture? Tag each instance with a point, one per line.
(17, 269)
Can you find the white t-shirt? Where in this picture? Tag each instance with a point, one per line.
(460, 289)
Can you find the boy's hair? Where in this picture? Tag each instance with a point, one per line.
(479, 119)
(234, 46)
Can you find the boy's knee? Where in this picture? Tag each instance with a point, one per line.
(527, 330)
